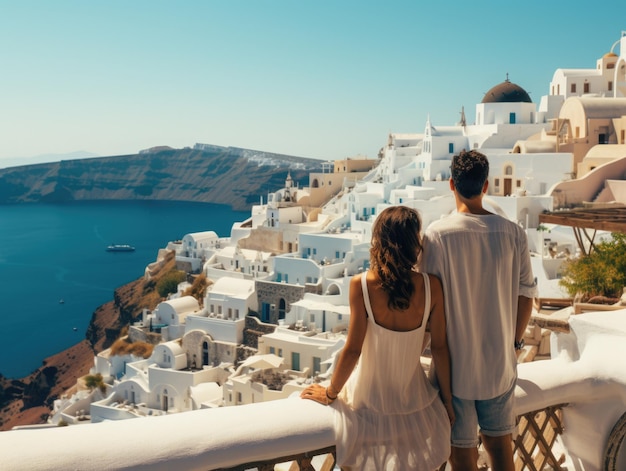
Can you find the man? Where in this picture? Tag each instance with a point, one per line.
(484, 264)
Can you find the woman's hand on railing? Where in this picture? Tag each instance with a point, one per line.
(317, 393)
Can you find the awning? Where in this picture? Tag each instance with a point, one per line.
(611, 219)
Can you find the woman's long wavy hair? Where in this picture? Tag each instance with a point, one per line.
(396, 245)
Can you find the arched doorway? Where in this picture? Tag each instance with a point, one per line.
(281, 308)
(508, 180)
(205, 353)
(164, 401)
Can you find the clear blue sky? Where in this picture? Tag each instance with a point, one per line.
(322, 79)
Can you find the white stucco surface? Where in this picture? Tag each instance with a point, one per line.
(204, 439)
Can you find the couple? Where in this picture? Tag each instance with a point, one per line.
(474, 296)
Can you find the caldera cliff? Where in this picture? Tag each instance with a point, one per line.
(209, 174)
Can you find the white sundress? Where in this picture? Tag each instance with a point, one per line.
(389, 416)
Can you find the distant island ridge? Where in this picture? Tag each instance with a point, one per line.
(204, 173)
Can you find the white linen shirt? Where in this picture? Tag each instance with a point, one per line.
(484, 265)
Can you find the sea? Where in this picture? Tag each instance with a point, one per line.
(55, 270)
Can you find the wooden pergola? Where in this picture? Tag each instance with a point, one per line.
(582, 220)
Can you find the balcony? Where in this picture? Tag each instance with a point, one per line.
(571, 410)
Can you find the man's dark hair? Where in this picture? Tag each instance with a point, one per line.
(469, 170)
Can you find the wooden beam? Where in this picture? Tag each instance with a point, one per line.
(603, 219)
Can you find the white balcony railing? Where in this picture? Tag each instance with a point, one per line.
(588, 373)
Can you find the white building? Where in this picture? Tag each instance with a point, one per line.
(239, 262)
(302, 350)
(227, 302)
(169, 316)
(262, 378)
(150, 389)
(324, 313)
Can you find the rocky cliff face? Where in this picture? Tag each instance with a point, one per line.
(221, 175)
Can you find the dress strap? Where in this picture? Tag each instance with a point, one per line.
(366, 295)
(426, 299)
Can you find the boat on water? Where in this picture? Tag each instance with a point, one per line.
(120, 248)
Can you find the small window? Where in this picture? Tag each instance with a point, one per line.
(280, 352)
(272, 350)
(512, 118)
(508, 170)
(496, 182)
(586, 87)
(451, 148)
(519, 183)
(573, 88)
(610, 86)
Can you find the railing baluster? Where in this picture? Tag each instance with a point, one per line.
(538, 431)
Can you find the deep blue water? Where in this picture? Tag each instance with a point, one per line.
(50, 253)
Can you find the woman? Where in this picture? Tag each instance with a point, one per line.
(389, 416)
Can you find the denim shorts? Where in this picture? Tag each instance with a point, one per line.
(494, 416)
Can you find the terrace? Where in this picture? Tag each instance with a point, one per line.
(571, 410)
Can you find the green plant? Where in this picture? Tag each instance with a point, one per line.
(169, 283)
(95, 381)
(601, 273)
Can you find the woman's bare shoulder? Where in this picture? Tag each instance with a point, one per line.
(355, 281)
(434, 279)
(436, 287)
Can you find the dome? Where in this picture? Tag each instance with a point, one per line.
(609, 54)
(507, 92)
